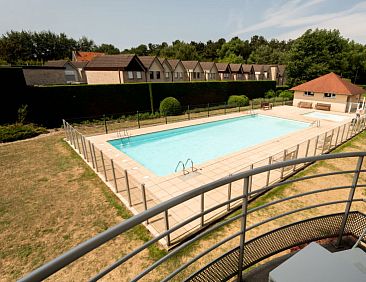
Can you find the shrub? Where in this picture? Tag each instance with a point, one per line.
(170, 106)
(22, 113)
(14, 132)
(288, 95)
(238, 101)
(270, 94)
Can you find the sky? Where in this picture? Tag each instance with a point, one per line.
(126, 23)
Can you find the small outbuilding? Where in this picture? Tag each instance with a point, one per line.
(328, 92)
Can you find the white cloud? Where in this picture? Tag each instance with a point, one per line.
(296, 15)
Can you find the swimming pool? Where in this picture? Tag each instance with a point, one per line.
(330, 117)
(161, 151)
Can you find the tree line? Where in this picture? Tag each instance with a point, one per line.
(314, 53)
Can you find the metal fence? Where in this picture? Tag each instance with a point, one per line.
(137, 197)
(246, 252)
(108, 123)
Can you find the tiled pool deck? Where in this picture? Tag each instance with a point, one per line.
(161, 188)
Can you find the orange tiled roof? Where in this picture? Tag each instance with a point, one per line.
(330, 83)
(86, 56)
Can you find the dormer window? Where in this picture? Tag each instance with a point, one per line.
(329, 95)
(308, 93)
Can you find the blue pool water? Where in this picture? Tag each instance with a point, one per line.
(161, 151)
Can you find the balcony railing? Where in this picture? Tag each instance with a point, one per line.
(316, 223)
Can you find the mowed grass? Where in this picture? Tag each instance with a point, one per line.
(51, 201)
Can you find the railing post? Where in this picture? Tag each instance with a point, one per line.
(72, 137)
(325, 140)
(143, 194)
(95, 158)
(189, 113)
(138, 119)
(77, 141)
(105, 125)
(348, 130)
(228, 195)
(64, 124)
(350, 199)
(283, 168)
(82, 145)
(250, 179)
(316, 145)
(86, 150)
(166, 219)
(296, 155)
(269, 171)
(105, 172)
(91, 154)
(307, 148)
(344, 129)
(331, 140)
(128, 188)
(336, 141)
(243, 227)
(166, 119)
(202, 209)
(114, 176)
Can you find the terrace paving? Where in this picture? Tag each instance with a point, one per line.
(159, 189)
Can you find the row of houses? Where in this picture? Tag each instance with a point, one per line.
(98, 68)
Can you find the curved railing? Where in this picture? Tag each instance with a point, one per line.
(237, 259)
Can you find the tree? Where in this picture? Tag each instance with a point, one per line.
(316, 53)
(85, 44)
(107, 49)
(235, 47)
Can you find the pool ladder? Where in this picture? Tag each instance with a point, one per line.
(184, 165)
(123, 134)
(251, 112)
(316, 123)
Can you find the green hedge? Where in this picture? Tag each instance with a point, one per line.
(49, 105)
(18, 131)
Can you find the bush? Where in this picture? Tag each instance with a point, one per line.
(238, 101)
(14, 132)
(288, 95)
(270, 94)
(170, 106)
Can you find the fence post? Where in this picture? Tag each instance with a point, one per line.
(166, 219)
(138, 119)
(350, 199)
(202, 208)
(229, 194)
(95, 158)
(64, 124)
(105, 124)
(86, 151)
(143, 192)
(208, 110)
(283, 168)
(296, 155)
(189, 113)
(114, 176)
(250, 179)
(82, 145)
(336, 142)
(166, 119)
(72, 137)
(325, 140)
(91, 154)
(316, 145)
(243, 227)
(269, 171)
(105, 172)
(128, 188)
(239, 109)
(307, 148)
(344, 129)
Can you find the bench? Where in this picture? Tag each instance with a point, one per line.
(321, 106)
(307, 105)
(266, 105)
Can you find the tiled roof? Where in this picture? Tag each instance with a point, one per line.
(330, 83)
(86, 56)
(258, 68)
(222, 67)
(56, 63)
(235, 67)
(189, 65)
(173, 63)
(281, 69)
(247, 68)
(111, 61)
(207, 66)
(147, 60)
(79, 65)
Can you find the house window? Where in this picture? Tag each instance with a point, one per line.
(329, 95)
(151, 75)
(180, 75)
(166, 75)
(239, 76)
(308, 93)
(138, 75)
(158, 75)
(130, 75)
(194, 75)
(176, 75)
(226, 75)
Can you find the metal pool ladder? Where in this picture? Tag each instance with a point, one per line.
(316, 123)
(184, 165)
(123, 134)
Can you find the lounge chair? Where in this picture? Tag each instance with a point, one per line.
(266, 106)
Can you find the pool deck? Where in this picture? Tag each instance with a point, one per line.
(161, 188)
